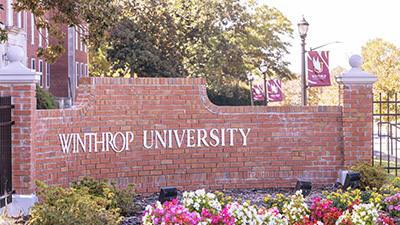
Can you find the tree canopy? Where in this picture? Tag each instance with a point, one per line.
(220, 40)
(382, 58)
(93, 17)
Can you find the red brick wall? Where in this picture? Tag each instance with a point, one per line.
(23, 135)
(284, 144)
(357, 122)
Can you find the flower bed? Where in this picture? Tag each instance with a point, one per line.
(340, 208)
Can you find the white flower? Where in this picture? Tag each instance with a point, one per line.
(196, 206)
(211, 195)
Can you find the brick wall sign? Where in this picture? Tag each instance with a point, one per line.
(189, 138)
(157, 132)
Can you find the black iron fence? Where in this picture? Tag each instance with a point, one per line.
(386, 132)
(5, 150)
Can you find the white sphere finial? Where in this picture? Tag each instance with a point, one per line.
(355, 61)
(15, 54)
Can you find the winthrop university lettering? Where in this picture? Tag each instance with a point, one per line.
(118, 142)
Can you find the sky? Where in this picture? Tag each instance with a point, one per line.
(352, 22)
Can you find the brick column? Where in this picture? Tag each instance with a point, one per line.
(355, 97)
(20, 82)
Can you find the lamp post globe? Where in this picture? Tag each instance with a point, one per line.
(264, 67)
(303, 29)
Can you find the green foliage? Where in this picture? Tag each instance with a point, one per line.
(3, 32)
(44, 99)
(396, 182)
(234, 93)
(219, 40)
(70, 206)
(117, 198)
(146, 41)
(91, 18)
(343, 199)
(371, 176)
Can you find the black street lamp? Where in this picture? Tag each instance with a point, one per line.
(250, 77)
(303, 28)
(264, 68)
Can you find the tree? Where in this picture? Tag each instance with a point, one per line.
(94, 17)
(382, 58)
(3, 32)
(146, 41)
(218, 39)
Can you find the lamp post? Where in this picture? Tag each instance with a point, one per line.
(264, 68)
(250, 77)
(303, 28)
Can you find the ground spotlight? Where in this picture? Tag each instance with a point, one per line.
(167, 194)
(352, 180)
(304, 186)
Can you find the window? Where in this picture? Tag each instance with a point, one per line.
(40, 37)
(86, 47)
(47, 37)
(82, 74)
(41, 73)
(86, 70)
(33, 64)
(76, 38)
(80, 40)
(77, 73)
(32, 29)
(47, 75)
(9, 12)
(19, 20)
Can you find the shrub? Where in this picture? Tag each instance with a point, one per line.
(70, 206)
(44, 99)
(118, 198)
(371, 176)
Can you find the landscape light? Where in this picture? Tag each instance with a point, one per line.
(352, 180)
(304, 186)
(167, 194)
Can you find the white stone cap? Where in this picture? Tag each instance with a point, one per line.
(15, 71)
(356, 75)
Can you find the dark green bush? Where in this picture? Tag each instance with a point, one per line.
(118, 198)
(44, 99)
(70, 206)
(371, 176)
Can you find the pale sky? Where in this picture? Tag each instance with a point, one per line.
(353, 22)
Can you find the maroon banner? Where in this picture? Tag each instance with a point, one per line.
(274, 90)
(258, 93)
(318, 69)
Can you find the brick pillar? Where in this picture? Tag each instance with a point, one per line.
(355, 97)
(20, 82)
